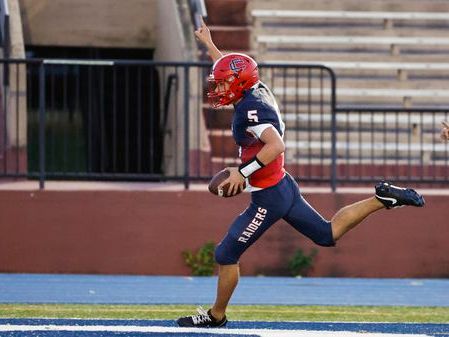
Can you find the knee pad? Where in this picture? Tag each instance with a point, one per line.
(224, 256)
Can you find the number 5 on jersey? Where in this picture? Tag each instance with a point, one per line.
(252, 116)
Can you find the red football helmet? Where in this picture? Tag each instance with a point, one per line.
(231, 75)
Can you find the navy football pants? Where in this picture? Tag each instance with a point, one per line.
(282, 201)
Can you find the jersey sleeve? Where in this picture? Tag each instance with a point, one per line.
(258, 117)
(257, 130)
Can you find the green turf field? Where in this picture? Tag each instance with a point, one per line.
(237, 312)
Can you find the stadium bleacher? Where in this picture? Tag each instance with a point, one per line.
(396, 47)
(387, 54)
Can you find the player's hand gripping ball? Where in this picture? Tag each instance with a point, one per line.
(217, 179)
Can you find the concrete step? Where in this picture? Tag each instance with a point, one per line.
(227, 12)
(347, 15)
(352, 81)
(291, 95)
(232, 39)
(355, 5)
(324, 28)
(395, 134)
(292, 55)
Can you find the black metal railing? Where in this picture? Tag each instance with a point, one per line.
(401, 145)
(149, 121)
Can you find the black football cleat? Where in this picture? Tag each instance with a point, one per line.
(204, 319)
(393, 196)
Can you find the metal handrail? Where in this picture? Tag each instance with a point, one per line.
(326, 122)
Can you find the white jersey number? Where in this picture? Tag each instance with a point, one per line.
(252, 116)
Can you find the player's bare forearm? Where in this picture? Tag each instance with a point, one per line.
(270, 152)
(203, 35)
(214, 52)
(274, 146)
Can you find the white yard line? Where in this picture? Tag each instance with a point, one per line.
(158, 329)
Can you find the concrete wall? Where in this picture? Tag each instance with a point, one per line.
(13, 109)
(144, 232)
(17, 103)
(85, 23)
(175, 41)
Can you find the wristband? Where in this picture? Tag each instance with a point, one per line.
(251, 166)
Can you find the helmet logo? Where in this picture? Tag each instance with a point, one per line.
(237, 65)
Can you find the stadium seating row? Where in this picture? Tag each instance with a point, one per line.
(390, 54)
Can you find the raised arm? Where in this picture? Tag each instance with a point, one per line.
(203, 35)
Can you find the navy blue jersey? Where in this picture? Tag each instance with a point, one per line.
(258, 106)
(255, 112)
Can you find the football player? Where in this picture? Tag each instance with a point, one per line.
(445, 131)
(258, 129)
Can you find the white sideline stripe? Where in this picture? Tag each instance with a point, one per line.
(261, 13)
(362, 92)
(364, 40)
(260, 332)
(368, 65)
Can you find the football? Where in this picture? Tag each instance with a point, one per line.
(216, 180)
